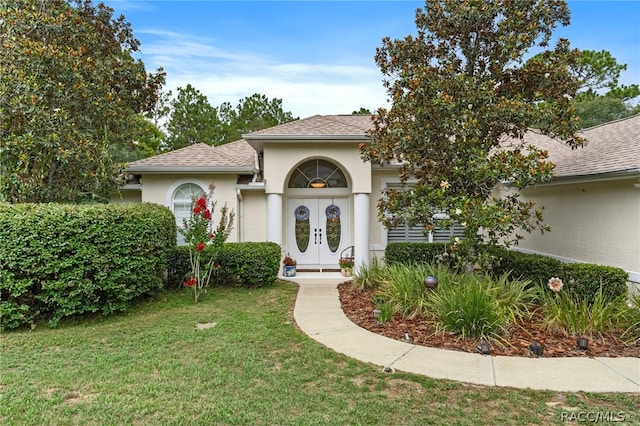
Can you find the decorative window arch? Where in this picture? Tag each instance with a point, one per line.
(318, 174)
(181, 200)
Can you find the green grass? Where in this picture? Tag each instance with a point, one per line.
(151, 366)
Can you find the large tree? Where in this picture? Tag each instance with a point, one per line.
(600, 97)
(253, 113)
(192, 120)
(463, 96)
(68, 85)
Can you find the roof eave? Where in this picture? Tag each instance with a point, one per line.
(192, 169)
(630, 173)
(258, 141)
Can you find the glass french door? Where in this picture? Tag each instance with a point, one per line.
(317, 230)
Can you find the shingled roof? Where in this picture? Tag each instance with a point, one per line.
(318, 125)
(234, 157)
(611, 148)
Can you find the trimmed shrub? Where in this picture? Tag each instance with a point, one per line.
(178, 266)
(584, 281)
(251, 264)
(581, 279)
(536, 268)
(414, 253)
(64, 260)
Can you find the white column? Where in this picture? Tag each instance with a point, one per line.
(274, 218)
(361, 213)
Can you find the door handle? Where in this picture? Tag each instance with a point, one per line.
(315, 235)
(320, 231)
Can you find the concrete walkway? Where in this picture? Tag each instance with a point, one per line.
(319, 314)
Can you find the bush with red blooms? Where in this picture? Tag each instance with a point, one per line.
(201, 233)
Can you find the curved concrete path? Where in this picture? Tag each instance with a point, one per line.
(319, 314)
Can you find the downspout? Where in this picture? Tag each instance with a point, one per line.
(240, 215)
(257, 167)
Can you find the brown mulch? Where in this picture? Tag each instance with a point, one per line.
(358, 307)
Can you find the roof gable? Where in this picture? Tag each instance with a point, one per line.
(233, 157)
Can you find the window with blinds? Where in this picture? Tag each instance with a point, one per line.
(416, 233)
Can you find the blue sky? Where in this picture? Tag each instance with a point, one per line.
(317, 56)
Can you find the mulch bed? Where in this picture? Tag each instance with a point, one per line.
(358, 307)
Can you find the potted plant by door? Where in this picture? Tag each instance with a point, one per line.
(346, 266)
(289, 268)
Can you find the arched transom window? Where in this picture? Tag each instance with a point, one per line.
(317, 174)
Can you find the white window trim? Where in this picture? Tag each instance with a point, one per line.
(168, 201)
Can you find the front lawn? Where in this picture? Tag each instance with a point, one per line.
(254, 366)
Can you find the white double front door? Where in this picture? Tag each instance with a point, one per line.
(317, 230)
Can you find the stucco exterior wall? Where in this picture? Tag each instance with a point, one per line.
(590, 222)
(281, 158)
(159, 189)
(254, 218)
(127, 197)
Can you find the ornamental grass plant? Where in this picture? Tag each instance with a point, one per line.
(402, 287)
(479, 306)
(572, 315)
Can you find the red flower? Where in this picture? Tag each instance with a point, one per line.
(211, 236)
(190, 282)
(197, 209)
(207, 214)
(199, 246)
(202, 202)
(217, 264)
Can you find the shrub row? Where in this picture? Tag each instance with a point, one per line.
(64, 260)
(414, 253)
(248, 264)
(581, 279)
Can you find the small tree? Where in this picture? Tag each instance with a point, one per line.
(460, 89)
(200, 233)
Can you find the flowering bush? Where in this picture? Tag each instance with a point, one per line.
(199, 232)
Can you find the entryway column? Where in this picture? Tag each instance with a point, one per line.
(361, 228)
(274, 218)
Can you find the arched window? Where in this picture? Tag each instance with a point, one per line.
(317, 174)
(181, 203)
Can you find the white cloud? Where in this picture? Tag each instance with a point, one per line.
(227, 75)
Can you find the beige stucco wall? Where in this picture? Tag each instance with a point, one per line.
(159, 189)
(127, 197)
(281, 158)
(590, 222)
(254, 215)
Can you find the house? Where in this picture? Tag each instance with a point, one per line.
(593, 203)
(304, 186)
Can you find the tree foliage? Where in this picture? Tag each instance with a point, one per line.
(193, 119)
(253, 113)
(68, 85)
(459, 90)
(601, 98)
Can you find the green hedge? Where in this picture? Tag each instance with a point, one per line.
(581, 279)
(251, 264)
(64, 260)
(412, 253)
